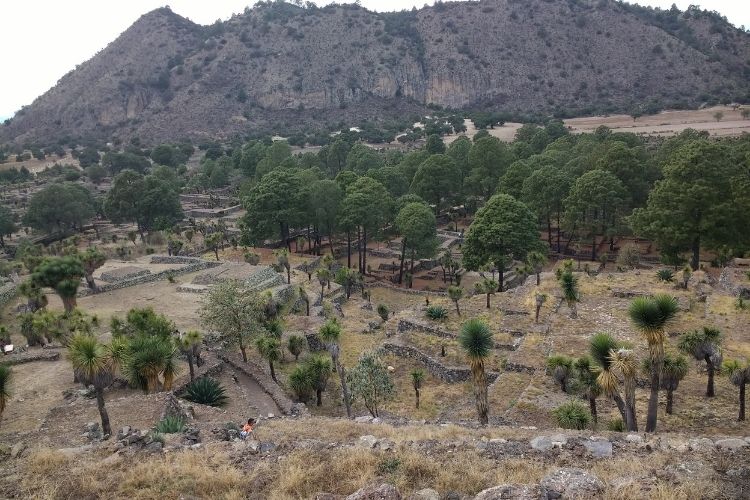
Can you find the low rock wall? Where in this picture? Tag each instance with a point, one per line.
(405, 325)
(210, 368)
(193, 266)
(7, 293)
(449, 374)
(28, 357)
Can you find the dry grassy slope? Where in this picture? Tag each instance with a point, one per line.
(297, 66)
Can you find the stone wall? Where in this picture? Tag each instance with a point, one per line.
(729, 281)
(408, 291)
(124, 274)
(210, 368)
(193, 266)
(28, 357)
(449, 374)
(7, 293)
(404, 325)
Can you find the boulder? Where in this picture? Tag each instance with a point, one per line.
(731, 444)
(570, 482)
(425, 494)
(17, 450)
(598, 448)
(383, 491)
(511, 492)
(544, 443)
(368, 441)
(155, 447)
(123, 432)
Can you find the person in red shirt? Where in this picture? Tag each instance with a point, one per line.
(247, 429)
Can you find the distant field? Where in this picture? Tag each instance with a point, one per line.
(666, 123)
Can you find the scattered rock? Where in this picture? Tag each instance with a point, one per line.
(365, 419)
(174, 408)
(599, 448)
(123, 433)
(383, 491)
(17, 450)
(368, 441)
(700, 444)
(731, 444)
(570, 482)
(155, 447)
(510, 492)
(544, 443)
(633, 438)
(425, 494)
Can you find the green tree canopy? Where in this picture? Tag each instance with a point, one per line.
(503, 229)
(488, 159)
(60, 207)
(436, 180)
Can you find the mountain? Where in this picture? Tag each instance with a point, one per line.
(282, 67)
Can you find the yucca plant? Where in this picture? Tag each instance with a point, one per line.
(673, 371)
(417, 377)
(624, 361)
(295, 344)
(665, 275)
(488, 287)
(569, 288)
(572, 415)
(270, 350)
(170, 425)
(330, 333)
(651, 315)
(300, 381)
(539, 300)
(6, 374)
(92, 365)
(561, 369)
(148, 357)
(190, 344)
(601, 346)
(319, 370)
(206, 391)
(704, 345)
(476, 340)
(739, 375)
(586, 384)
(456, 293)
(437, 313)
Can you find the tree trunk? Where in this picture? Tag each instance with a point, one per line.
(416, 392)
(364, 250)
(307, 306)
(710, 387)
(244, 352)
(670, 401)
(458, 311)
(90, 281)
(480, 391)
(288, 274)
(741, 416)
(69, 303)
(593, 248)
(106, 429)
(558, 232)
(319, 397)
(536, 314)
(401, 266)
(322, 290)
(216, 251)
(191, 367)
(344, 387)
(348, 249)
(549, 231)
(620, 405)
(359, 248)
(500, 278)
(696, 259)
(592, 408)
(488, 300)
(653, 400)
(537, 278)
(273, 372)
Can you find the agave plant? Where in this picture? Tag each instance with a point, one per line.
(651, 315)
(476, 340)
(206, 391)
(170, 425)
(436, 313)
(572, 415)
(666, 275)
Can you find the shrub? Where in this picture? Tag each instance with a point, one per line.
(383, 312)
(252, 258)
(665, 275)
(572, 415)
(170, 277)
(170, 425)
(206, 391)
(437, 313)
(158, 437)
(629, 256)
(616, 425)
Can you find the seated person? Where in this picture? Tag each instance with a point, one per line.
(247, 429)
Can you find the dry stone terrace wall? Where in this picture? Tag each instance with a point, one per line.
(405, 325)
(7, 293)
(729, 280)
(447, 373)
(192, 265)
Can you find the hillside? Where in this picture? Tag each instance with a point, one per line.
(286, 67)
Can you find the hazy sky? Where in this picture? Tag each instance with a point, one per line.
(42, 40)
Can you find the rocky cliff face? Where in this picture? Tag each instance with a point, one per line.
(285, 66)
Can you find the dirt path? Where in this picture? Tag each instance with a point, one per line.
(246, 398)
